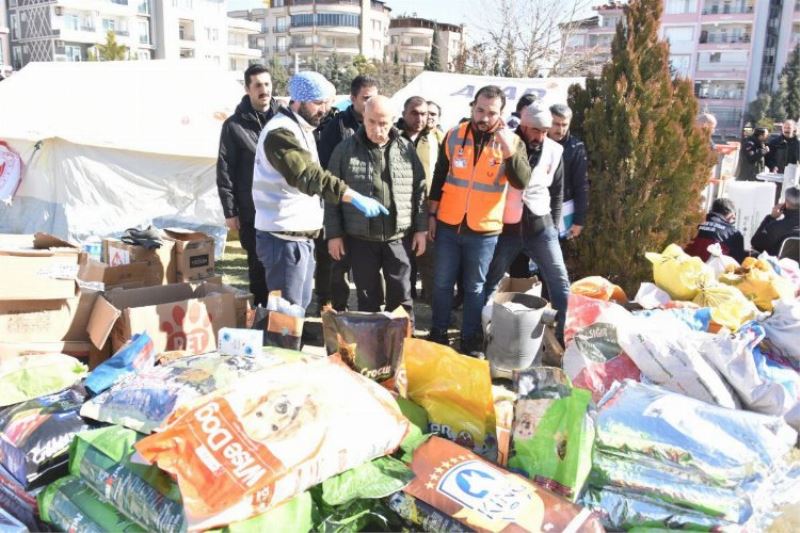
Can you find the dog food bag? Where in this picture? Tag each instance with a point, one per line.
(70, 505)
(35, 435)
(31, 376)
(16, 501)
(145, 494)
(270, 436)
(485, 498)
(137, 354)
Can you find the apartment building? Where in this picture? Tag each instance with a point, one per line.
(69, 30)
(302, 31)
(590, 38)
(5, 49)
(731, 49)
(411, 42)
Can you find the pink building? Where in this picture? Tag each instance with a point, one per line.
(731, 49)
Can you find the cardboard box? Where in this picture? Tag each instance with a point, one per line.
(177, 317)
(47, 326)
(524, 285)
(109, 277)
(38, 267)
(244, 299)
(161, 261)
(194, 254)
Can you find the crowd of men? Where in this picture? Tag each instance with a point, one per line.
(319, 196)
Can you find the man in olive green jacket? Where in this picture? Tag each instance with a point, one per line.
(378, 163)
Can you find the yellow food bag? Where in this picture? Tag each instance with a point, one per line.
(599, 288)
(678, 273)
(454, 389)
(729, 307)
(760, 286)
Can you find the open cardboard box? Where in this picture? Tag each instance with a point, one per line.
(180, 316)
(110, 277)
(47, 326)
(160, 261)
(38, 267)
(194, 254)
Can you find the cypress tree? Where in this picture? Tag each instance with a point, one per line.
(790, 76)
(648, 161)
(434, 61)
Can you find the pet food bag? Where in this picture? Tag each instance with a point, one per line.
(16, 501)
(456, 392)
(485, 498)
(553, 433)
(35, 435)
(272, 435)
(144, 494)
(137, 354)
(70, 505)
(30, 376)
(370, 343)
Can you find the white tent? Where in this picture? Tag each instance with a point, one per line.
(112, 145)
(454, 92)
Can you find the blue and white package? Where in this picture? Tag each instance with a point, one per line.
(136, 355)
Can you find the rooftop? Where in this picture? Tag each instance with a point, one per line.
(417, 22)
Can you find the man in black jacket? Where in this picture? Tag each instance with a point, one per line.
(783, 222)
(719, 229)
(576, 164)
(784, 149)
(330, 283)
(237, 151)
(752, 156)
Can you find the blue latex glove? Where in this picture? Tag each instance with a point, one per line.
(369, 207)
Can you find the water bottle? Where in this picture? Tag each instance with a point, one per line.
(93, 246)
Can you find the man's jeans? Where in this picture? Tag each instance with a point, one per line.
(454, 251)
(289, 266)
(543, 247)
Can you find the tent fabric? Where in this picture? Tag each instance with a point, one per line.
(454, 92)
(132, 143)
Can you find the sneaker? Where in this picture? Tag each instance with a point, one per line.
(439, 337)
(473, 347)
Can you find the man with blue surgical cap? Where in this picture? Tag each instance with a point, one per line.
(288, 187)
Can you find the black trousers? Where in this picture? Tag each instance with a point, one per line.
(368, 259)
(330, 278)
(255, 270)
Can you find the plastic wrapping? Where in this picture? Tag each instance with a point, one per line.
(142, 401)
(270, 436)
(759, 282)
(783, 331)
(35, 435)
(370, 343)
(679, 274)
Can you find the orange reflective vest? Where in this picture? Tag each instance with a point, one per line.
(476, 190)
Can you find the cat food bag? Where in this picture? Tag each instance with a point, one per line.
(274, 433)
(137, 354)
(35, 435)
(485, 498)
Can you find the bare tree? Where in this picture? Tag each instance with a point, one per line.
(521, 38)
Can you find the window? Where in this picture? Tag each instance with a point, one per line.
(15, 33)
(278, 3)
(282, 24)
(681, 64)
(143, 55)
(16, 56)
(715, 57)
(281, 47)
(678, 34)
(73, 53)
(143, 7)
(376, 25)
(212, 34)
(326, 19)
(144, 31)
(676, 7)
(108, 24)
(376, 44)
(71, 22)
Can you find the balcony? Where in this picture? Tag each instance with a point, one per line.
(243, 51)
(723, 38)
(741, 8)
(280, 29)
(80, 36)
(280, 49)
(706, 72)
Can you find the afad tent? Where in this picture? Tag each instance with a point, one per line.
(454, 92)
(112, 145)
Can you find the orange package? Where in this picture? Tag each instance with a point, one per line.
(239, 452)
(486, 498)
(599, 288)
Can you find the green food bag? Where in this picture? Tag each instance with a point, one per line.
(293, 516)
(70, 505)
(32, 376)
(553, 433)
(148, 496)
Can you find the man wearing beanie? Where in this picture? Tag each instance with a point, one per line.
(528, 220)
(287, 185)
(783, 222)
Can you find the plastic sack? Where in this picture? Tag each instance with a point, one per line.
(270, 436)
(70, 505)
(783, 331)
(695, 319)
(482, 497)
(142, 401)
(553, 432)
(729, 307)
(582, 311)
(10, 173)
(599, 288)
(649, 296)
(137, 354)
(679, 274)
(35, 435)
(759, 283)
(30, 376)
(16, 501)
(456, 392)
(718, 262)
(144, 494)
(370, 343)
(594, 360)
